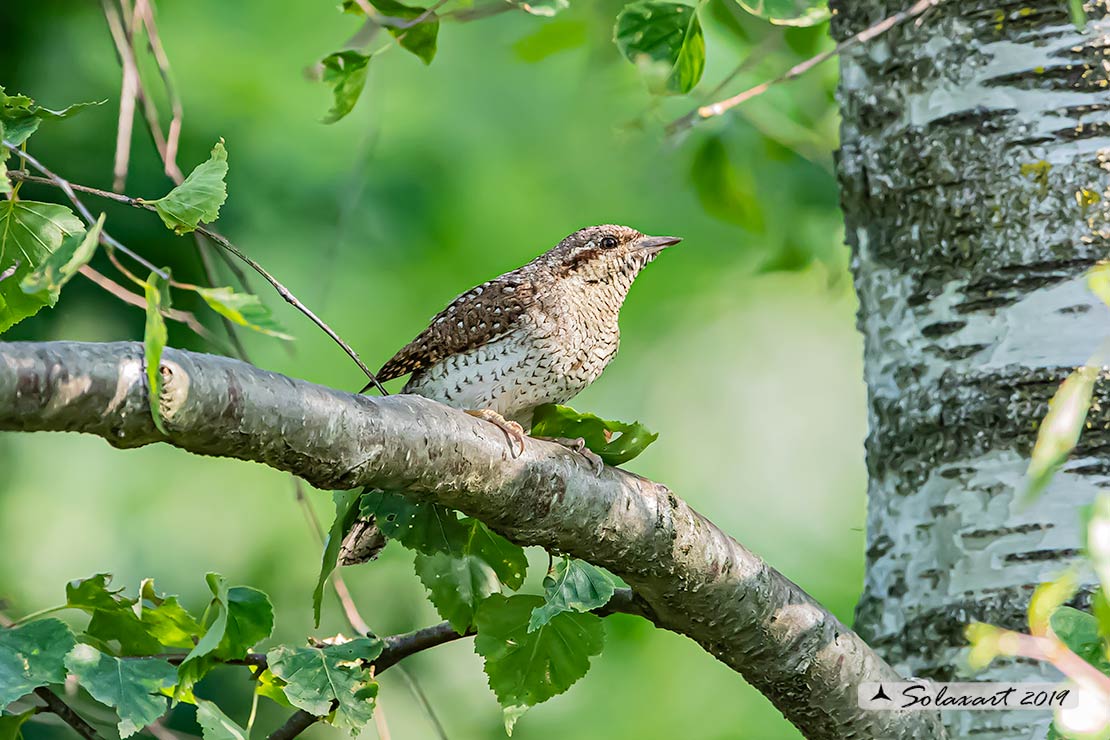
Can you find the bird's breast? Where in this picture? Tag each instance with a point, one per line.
(544, 362)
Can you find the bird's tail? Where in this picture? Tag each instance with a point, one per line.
(362, 543)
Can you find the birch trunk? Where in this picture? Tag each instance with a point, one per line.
(974, 171)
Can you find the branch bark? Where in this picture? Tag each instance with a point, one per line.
(686, 574)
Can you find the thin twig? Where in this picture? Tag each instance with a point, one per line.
(129, 89)
(66, 713)
(169, 157)
(380, 723)
(354, 618)
(166, 146)
(422, 700)
(213, 280)
(297, 723)
(284, 292)
(398, 647)
(1051, 649)
(427, 14)
(65, 186)
(704, 112)
(184, 317)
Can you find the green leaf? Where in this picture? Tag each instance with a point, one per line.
(1078, 14)
(215, 725)
(1047, 598)
(345, 72)
(20, 116)
(457, 585)
(244, 309)
(237, 618)
(424, 527)
(1079, 631)
(577, 586)
(131, 686)
(154, 342)
(552, 420)
(788, 12)
(346, 509)
(1060, 429)
(665, 41)
(31, 656)
(316, 677)
(165, 619)
(63, 263)
(475, 567)
(29, 233)
(273, 688)
(11, 725)
(508, 561)
(526, 668)
(199, 197)
(5, 181)
(420, 39)
(551, 38)
(1098, 281)
(250, 620)
(113, 615)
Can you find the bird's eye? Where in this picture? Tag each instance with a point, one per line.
(609, 242)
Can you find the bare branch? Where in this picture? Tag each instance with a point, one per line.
(65, 186)
(174, 314)
(129, 90)
(285, 293)
(66, 713)
(705, 112)
(693, 578)
(168, 153)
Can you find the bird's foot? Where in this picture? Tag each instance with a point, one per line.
(512, 430)
(578, 445)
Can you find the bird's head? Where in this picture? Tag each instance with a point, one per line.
(606, 255)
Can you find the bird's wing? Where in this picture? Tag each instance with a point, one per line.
(480, 315)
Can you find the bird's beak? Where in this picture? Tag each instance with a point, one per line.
(655, 244)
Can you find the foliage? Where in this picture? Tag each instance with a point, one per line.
(154, 341)
(526, 667)
(198, 198)
(665, 40)
(573, 586)
(615, 442)
(29, 233)
(534, 646)
(320, 678)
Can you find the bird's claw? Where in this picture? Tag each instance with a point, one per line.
(512, 430)
(577, 444)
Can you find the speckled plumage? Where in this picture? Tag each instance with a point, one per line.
(538, 334)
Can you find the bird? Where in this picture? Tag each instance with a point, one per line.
(535, 335)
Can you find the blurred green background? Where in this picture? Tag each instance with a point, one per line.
(443, 177)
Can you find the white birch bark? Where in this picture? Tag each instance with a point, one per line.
(974, 170)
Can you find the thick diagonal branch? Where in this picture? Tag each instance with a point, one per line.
(687, 575)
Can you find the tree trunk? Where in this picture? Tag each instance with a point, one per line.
(974, 159)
